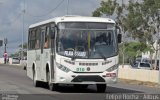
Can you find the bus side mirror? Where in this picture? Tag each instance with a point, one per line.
(52, 31)
(119, 38)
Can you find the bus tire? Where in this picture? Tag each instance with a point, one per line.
(24, 68)
(101, 88)
(51, 86)
(35, 82)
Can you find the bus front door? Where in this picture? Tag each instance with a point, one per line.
(42, 67)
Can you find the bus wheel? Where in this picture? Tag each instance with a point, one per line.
(51, 86)
(24, 68)
(101, 88)
(35, 82)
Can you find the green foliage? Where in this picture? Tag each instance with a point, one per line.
(134, 49)
(139, 19)
(18, 53)
(135, 21)
(24, 46)
(14, 55)
(96, 13)
(106, 8)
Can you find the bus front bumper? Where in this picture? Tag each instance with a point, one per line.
(86, 78)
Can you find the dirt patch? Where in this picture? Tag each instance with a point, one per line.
(149, 84)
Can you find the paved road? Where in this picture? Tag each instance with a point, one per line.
(13, 79)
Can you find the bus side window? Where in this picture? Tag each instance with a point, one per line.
(46, 44)
(52, 31)
(32, 39)
(29, 43)
(37, 40)
(52, 36)
(37, 44)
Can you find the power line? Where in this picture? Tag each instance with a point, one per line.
(47, 12)
(23, 29)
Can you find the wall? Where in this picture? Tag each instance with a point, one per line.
(2, 60)
(138, 74)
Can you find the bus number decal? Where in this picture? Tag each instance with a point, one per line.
(80, 69)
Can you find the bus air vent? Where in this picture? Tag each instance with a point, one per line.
(88, 64)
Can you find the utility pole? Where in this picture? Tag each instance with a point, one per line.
(1, 43)
(5, 55)
(22, 50)
(159, 40)
(123, 5)
(67, 7)
(5, 45)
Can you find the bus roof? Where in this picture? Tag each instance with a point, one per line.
(73, 19)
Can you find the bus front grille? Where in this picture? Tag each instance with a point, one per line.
(93, 78)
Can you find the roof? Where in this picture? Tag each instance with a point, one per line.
(72, 18)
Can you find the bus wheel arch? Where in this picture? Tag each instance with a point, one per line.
(47, 72)
(35, 82)
(33, 70)
(33, 67)
(51, 86)
(47, 67)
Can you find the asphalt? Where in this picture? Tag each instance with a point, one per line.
(13, 80)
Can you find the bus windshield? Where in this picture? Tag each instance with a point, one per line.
(86, 40)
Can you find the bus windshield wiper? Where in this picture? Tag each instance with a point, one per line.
(73, 57)
(101, 54)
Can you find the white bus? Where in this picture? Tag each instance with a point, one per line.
(73, 50)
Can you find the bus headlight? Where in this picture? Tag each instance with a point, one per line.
(112, 68)
(63, 68)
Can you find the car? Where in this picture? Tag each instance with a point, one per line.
(15, 60)
(144, 65)
(24, 63)
(134, 64)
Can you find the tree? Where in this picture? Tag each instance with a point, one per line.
(143, 23)
(24, 46)
(18, 53)
(138, 19)
(150, 11)
(109, 8)
(135, 49)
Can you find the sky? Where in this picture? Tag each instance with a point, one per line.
(11, 16)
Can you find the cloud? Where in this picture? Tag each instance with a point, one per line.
(11, 15)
